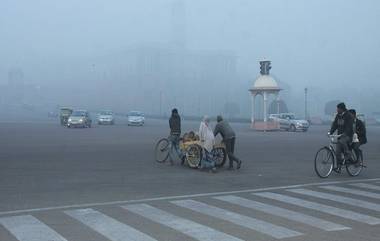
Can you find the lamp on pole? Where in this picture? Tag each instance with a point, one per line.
(160, 103)
(306, 116)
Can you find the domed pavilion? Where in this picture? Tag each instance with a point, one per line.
(266, 86)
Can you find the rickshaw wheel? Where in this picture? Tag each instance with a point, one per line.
(193, 155)
(220, 156)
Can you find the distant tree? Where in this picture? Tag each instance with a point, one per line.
(231, 109)
(330, 107)
(274, 106)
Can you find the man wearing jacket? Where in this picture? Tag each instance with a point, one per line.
(343, 123)
(175, 134)
(360, 133)
(225, 130)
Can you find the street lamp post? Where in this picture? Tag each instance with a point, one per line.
(306, 116)
(161, 103)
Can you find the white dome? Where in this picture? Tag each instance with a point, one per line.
(265, 82)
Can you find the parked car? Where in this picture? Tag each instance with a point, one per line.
(79, 118)
(136, 118)
(64, 115)
(106, 118)
(288, 122)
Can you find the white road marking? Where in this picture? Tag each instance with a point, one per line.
(321, 208)
(272, 230)
(188, 227)
(29, 228)
(107, 226)
(123, 202)
(337, 198)
(284, 213)
(352, 191)
(366, 185)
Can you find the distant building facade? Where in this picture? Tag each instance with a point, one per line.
(155, 79)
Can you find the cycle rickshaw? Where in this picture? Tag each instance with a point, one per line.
(190, 146)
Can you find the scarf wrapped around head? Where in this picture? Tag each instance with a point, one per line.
(206, 119)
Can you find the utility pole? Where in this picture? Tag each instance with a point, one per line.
(199, 105)
(160, 103)
(306, 115)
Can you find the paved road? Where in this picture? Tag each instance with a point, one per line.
(79, 184)
(342, 210)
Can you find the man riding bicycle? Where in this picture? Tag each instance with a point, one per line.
(344, 124)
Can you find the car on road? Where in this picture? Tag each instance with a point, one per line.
(136, 118)
(79, 118)
(64, 115)
(106, 118)
(289, 122)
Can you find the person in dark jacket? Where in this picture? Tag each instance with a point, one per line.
(359, 131)
(343, 123)
(225, 130)
(175, 134)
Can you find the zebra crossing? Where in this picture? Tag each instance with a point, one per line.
(264, 214)
(107, 226)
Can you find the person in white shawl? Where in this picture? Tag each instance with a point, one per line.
(207, 139)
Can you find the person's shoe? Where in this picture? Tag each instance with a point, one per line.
(171, 163)
(238, 165)
(230, 168)
(183, 160)
(338, 169)
(213, 170)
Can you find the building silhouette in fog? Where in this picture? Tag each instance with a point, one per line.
(156, 77)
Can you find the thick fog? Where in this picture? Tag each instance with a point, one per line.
(201, 56)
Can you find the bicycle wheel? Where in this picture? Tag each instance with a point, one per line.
(324, 162)
(220, 155)
(354, 169)
(193, 156)
(162, 150)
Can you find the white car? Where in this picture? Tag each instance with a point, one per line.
(136, 118)
(79, 118)
(106, 118)
(288, 122)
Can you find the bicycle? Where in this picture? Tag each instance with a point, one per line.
(325, 160)
(162, 150)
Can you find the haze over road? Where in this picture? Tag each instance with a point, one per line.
(56, 182)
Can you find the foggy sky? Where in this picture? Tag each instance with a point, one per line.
(316, 43)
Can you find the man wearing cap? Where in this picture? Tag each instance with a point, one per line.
(343, 123)
(225, 130)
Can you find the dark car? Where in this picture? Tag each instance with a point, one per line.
(64, 115)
